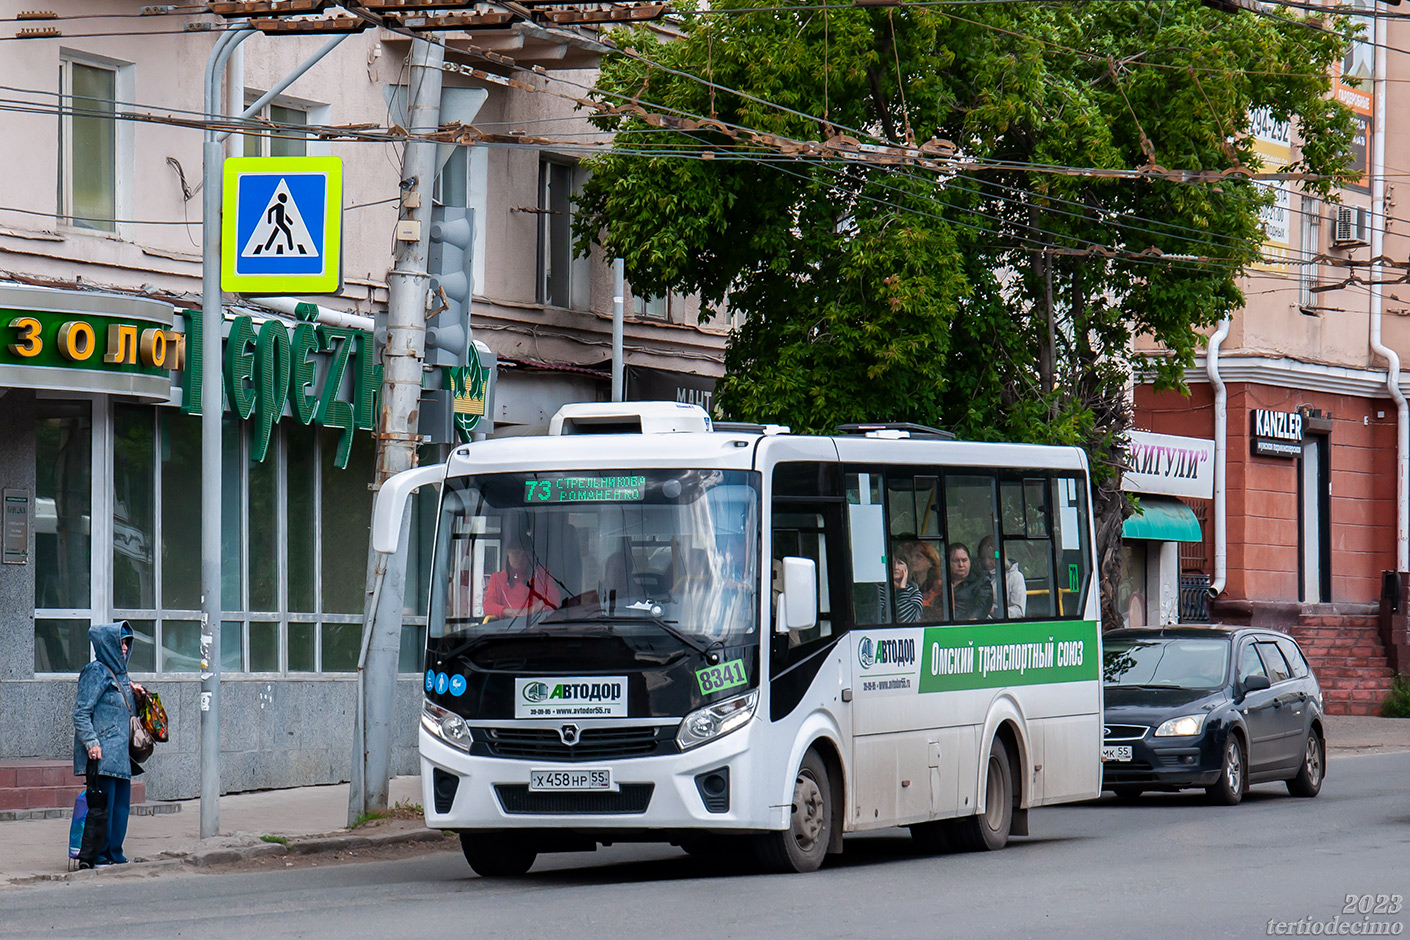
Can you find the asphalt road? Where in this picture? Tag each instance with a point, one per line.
(1169, 866)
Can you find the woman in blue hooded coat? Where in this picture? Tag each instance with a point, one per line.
(102, 730)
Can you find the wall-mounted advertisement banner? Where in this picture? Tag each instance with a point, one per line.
(1168, 465)
(1272, 141)
(1351, 85)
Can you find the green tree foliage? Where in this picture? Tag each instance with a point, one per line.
(1002, 297)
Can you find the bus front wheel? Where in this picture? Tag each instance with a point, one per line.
(496, 856)
(803, 845)
(989, 831)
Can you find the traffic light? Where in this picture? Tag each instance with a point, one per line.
(451, 266)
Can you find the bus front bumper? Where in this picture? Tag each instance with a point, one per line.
(465, 792)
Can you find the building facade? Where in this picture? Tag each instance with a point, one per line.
(100, 465)
(1307, 530)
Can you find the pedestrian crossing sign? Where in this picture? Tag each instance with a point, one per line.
(282, 225)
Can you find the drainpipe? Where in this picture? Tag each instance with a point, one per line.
(1402, 413)
(1221, 454)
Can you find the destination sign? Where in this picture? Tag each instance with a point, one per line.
(624, 489)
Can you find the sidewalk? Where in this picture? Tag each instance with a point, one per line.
(314, 819)
(311, 819)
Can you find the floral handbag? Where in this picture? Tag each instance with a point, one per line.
(153, 715)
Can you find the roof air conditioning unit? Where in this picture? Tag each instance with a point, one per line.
(1351, 227)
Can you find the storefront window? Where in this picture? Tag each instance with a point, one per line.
(292, 574)
(231, 503)
(303, 647)
(63, 504)
(181, 646)
(60, 645)
(342, 643)
(134, 482)
(263, 548)
(347, 515)
(302, 477)
(144, 648)
(181, 509)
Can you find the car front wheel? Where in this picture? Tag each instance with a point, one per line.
(1232, 774)
(1308, 781)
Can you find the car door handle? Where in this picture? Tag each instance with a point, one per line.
(1277, 703)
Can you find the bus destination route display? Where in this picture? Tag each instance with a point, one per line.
(585, 490)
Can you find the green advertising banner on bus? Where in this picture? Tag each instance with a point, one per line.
(978, 656)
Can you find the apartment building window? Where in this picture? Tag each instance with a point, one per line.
(563, 280)
(1311, 228)
(283, 142)
(655, 308)
(88, 145)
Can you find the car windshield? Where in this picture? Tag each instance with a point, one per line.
(1166, 662)
(667, 554)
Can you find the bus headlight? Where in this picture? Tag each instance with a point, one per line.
(1181, 727)
(712, 721)
(446, 725)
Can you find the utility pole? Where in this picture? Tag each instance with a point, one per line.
(402, 357)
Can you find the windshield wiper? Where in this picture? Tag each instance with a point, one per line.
(666, 626)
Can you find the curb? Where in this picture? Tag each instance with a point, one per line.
(225, 855)
(66, 812)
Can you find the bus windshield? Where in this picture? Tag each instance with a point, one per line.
(662, 553)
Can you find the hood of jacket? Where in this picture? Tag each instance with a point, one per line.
(107, 644)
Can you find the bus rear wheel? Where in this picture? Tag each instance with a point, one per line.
(803, 845)
(989, 831)
(496, 856)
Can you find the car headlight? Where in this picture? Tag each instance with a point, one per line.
(1181, 727)
(446, 725)
(712, 721)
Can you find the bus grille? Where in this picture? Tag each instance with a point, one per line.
(594, 743)
(518, 799)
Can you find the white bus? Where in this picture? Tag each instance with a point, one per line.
(647, 628)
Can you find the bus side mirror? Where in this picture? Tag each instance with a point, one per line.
(390, 505)
(798, 602)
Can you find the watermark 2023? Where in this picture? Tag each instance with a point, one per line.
(1362, 915)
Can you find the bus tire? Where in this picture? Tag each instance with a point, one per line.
(803, 845)
(496, 857)
(989, 831)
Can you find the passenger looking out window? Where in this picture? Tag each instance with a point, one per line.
(908, 598)
(1015, 587)
(928, 575)
(972, 594)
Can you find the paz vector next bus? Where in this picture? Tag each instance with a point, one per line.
(645, 627)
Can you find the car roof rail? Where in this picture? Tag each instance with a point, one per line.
(894, 430)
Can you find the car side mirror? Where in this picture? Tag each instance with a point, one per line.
(798, 601)
(1255, 684)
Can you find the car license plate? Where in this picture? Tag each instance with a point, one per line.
(585, 779)
(1116, 753)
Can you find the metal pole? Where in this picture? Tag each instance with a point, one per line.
(397, 438)
(284, 83)
(619, 281)
(212, 320)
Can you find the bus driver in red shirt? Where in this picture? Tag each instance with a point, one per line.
(516, 590)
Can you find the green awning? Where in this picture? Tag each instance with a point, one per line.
(1163, 519)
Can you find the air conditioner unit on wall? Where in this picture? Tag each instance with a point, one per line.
(1351, 227)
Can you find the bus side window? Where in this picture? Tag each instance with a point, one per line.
(803, 534)
(1069, 523)
(971, 517)
(866, 526)
(913, 523)
(1027, 547)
